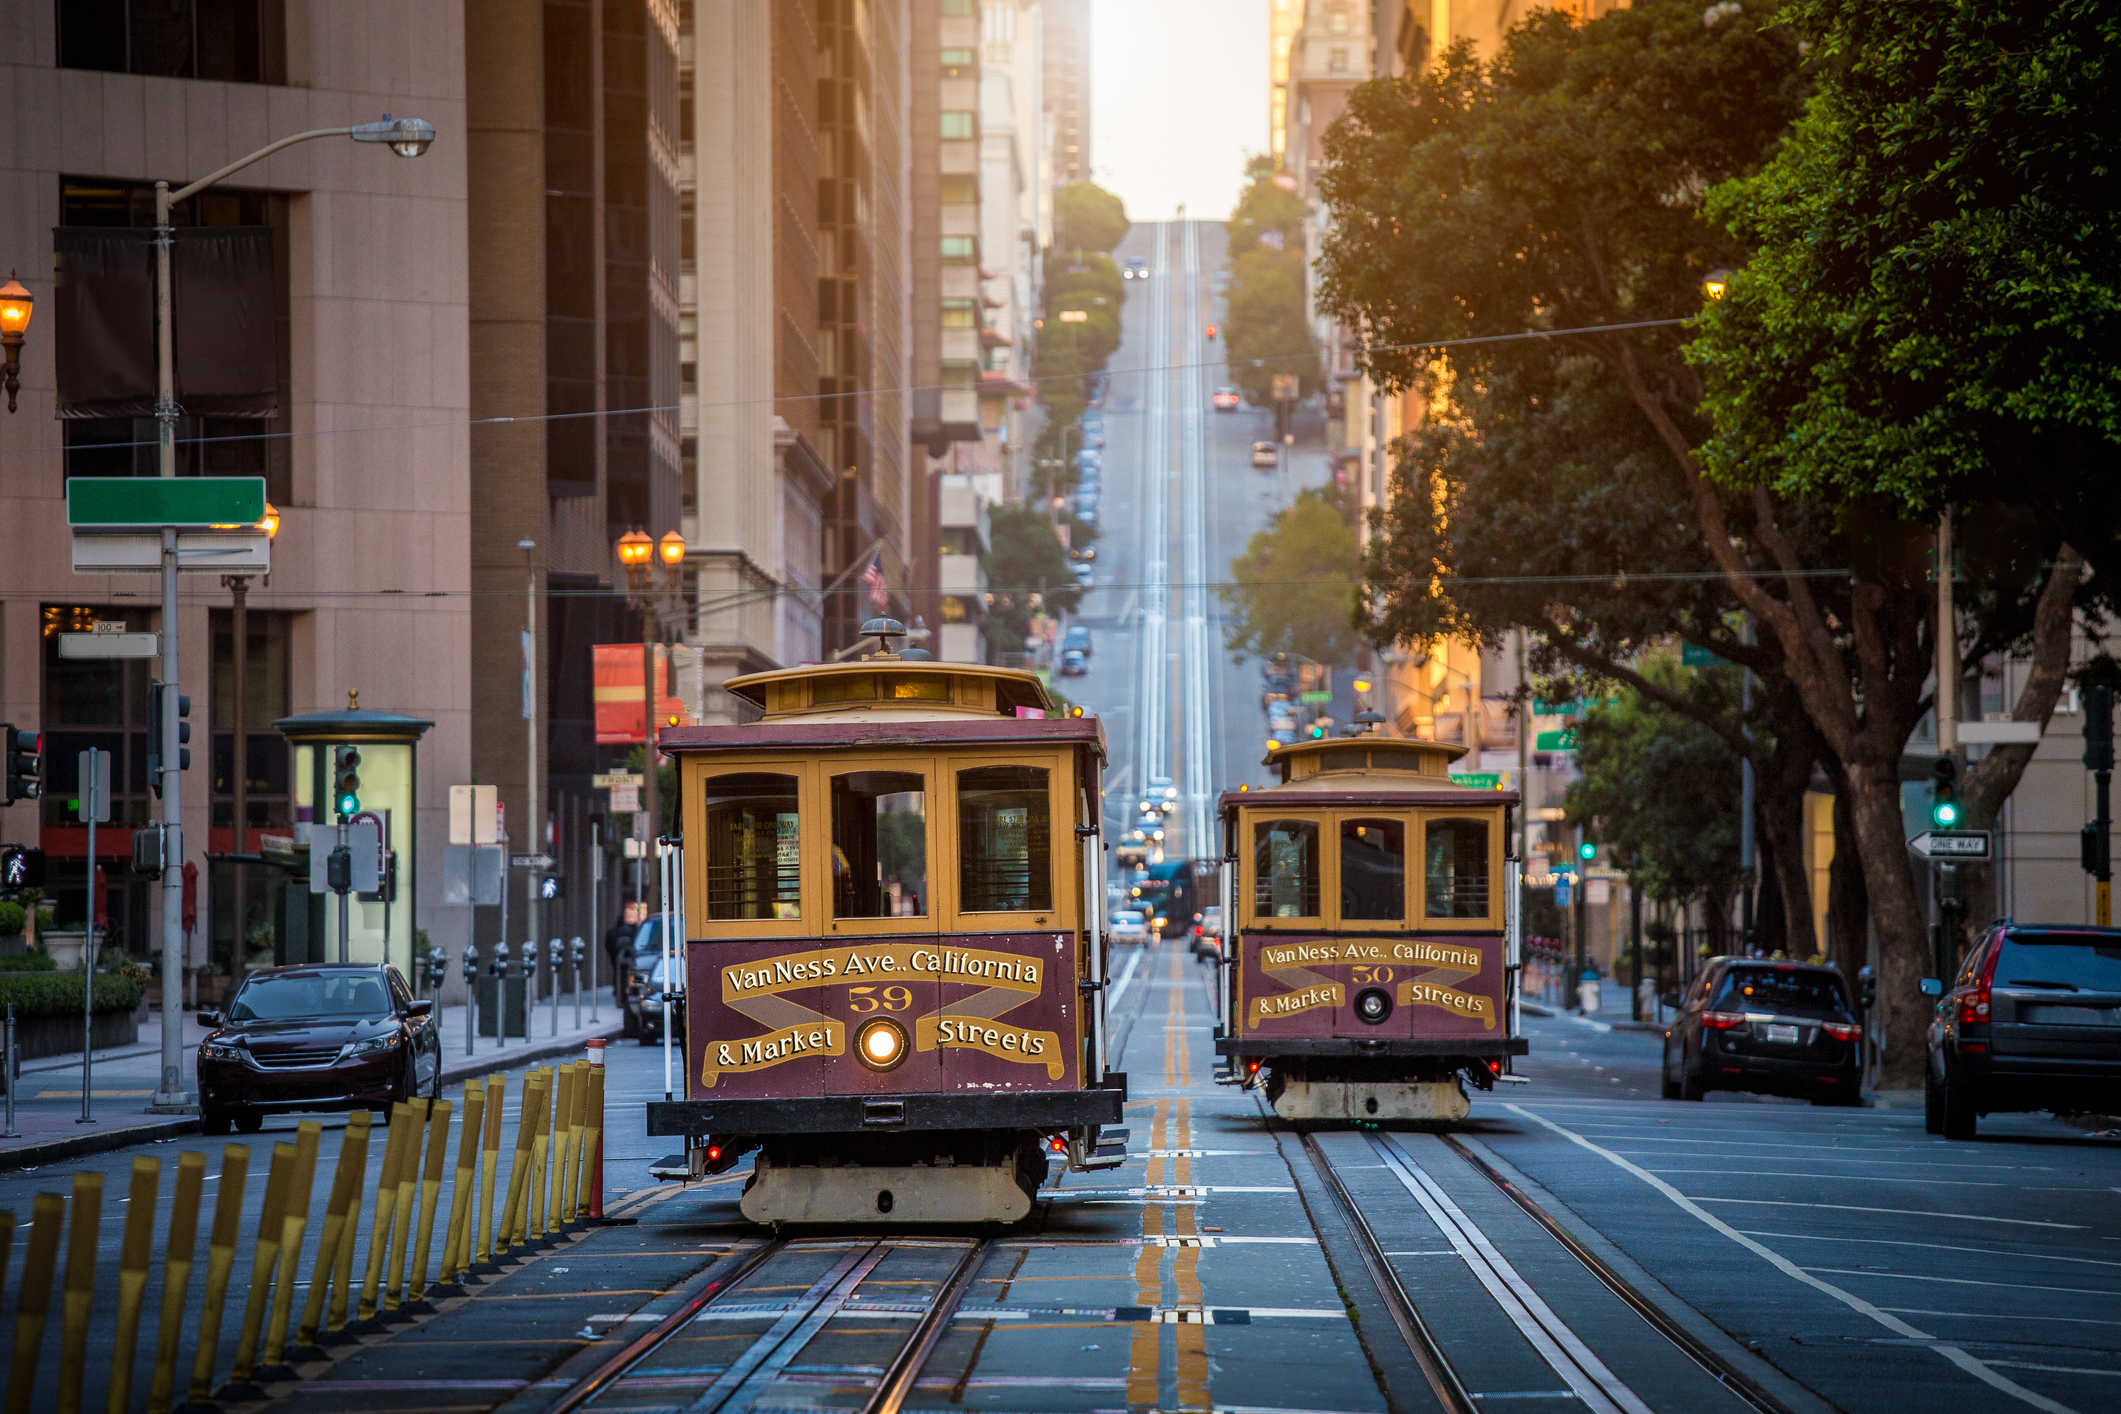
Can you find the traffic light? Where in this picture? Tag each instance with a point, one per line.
(155, 698)
(346, 780)
(1944, 793)
(1587, 851)
(25, 767)
(2099, 728)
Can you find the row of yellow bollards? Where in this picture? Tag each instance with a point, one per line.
(553, 1168)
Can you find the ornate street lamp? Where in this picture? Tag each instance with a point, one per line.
(16, 305)
(650, 592)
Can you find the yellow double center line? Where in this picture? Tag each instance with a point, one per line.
(1145, 1359)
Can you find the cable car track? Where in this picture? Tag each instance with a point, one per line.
(1595, 1386)
(793, 1325)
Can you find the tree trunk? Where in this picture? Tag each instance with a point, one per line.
(1848, 904)
(1780, 781)
(1903, 941)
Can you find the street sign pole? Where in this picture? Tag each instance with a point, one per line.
(169, 1095)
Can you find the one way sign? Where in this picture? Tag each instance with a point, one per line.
(1951, 844)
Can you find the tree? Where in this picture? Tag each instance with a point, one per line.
(1267, 329)
(1293, 589)
(1027, 570)
(1661, 790)
(1087, 217)
(1266, 210)
(1559, 188)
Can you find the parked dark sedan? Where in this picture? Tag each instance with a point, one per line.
(298, 1039)
(2032, 1021)
(649, 1025)
(1773, 1028)
(645, 952)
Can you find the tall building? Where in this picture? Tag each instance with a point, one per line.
(366, 456)
(1066, 61)
(1015, 219)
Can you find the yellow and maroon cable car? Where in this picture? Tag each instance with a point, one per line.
(892, 884)
(1375, 913)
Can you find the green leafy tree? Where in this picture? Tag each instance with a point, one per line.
(1027, 570)
(1661, 790)
(1266, 211)
(1293, 589)
(1087, 217)
(1265, 331)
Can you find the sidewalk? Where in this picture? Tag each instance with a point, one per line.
(123, 1081)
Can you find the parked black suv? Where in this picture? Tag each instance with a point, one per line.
(2032, 1021)
(1773, 1028)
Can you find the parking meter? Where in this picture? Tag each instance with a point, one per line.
(437, 970)
(499, 971)
(471, 998)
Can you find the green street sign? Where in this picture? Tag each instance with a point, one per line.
(1574, 707)
(150, 502)
(1478, 780)
(1564, 740)
(1693, 657)
(1314, 697)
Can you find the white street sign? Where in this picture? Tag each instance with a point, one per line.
(474, 815)
(530, 861)
(625, 800)
(471, 874)
(611, 780)
(2000, 733)
(198, 552)
(1951, 844)
(110, 645)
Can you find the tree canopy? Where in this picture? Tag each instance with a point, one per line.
(1027, 570)
(1292, 590)
(1267, 329)
(1087, 217)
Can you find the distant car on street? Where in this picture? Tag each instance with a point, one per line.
(1087, 514)
(1094, 437)
(1084, 574)
(1208, 933)
(2027, 1023)
(1137, 269)
(1265, 454)
(1082, 554)
(1773, 1028)
(1225, 399)
(648, 1024)
(1073, 663)
(1077, 636)
(1129, 925)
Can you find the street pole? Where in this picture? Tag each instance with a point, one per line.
(531, 909)
(96, 789)
(596, 917)
(169, 1095)
(239, 625)
(2098, 836)
(345, 907)
(651, 779)
(1947, 732)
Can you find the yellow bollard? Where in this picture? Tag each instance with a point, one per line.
(33, 1302)
(220, 1259)
(340, 1277)
(401, 1218)
(593, 1145)
(507, 1237)
(294, 1225)
(577, 1126)
(176, 1277)
(242, 1380)
(345, 1192)
(490, 1150)
(80, 1289)
(386, 1208)
(430, 1194)
(540, 1150)
(134, 1257)
(456, 1259)
(556, 1207)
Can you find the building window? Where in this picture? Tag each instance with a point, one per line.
(1337, 60)
(957, 7)
(959, 123)
(1337, 22)
(957, 59)
(960, 191)
(960, 250)
(960, 314)
(960, 373)
(685, 107)
(228, 41)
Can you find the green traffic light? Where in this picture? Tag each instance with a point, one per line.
(1945, 813)
(349, 805)
(1587, 850)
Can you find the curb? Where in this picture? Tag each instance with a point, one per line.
(1535, 1008)
(76, 1146)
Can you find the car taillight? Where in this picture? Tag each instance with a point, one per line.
(1722, 1020)
(1842, 1030)
(1973, 1004)
(1196, 930)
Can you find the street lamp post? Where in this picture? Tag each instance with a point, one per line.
(408, 137)
(535, 820)
(641, 557)
(16, 306)
(238, 586)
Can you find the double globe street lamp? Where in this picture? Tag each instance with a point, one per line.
(654, 569)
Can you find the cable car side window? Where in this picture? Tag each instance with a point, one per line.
(1456, 865)
(1004, 840)
(1373, 869)
(754, 847)
(880, 845)
(1285, 869)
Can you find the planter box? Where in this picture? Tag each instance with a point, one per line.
(39, 1036)
(65, 950)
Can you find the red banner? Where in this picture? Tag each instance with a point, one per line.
(618, 690)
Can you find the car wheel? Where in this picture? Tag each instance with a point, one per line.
(212, 1121)
(1958, 1109)
(1667, 1086)
(1692, 1085)
(1932, 1100)
(249, 1121)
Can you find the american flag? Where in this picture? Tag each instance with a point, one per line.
(874, 578)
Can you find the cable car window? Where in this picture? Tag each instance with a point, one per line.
(754, 848)
(1373, 869)
(928, 687)
(1004, 840)
(1457, 869)
(880, 845)
(1285, 869)
(860, 687)
(1344, 759)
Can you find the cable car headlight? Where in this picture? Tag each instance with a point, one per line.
(880, 1043)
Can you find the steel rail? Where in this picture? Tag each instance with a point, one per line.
(718, 1284)
(1436, 1368)
(1728, 1375)
(899, 1376)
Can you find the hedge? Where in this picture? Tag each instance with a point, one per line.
(28, 962)
(59, 993)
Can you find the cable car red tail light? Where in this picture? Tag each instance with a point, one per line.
(1723, 1020)
(714, 1153)
(1057, 1144)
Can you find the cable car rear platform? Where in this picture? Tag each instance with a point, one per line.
(899, 1114)
(1363, 1046)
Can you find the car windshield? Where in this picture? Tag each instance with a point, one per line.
(1126, 916)
(2077, 962)
(310, 995)
(1795, 991)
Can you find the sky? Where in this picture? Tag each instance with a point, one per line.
(1178, 98)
